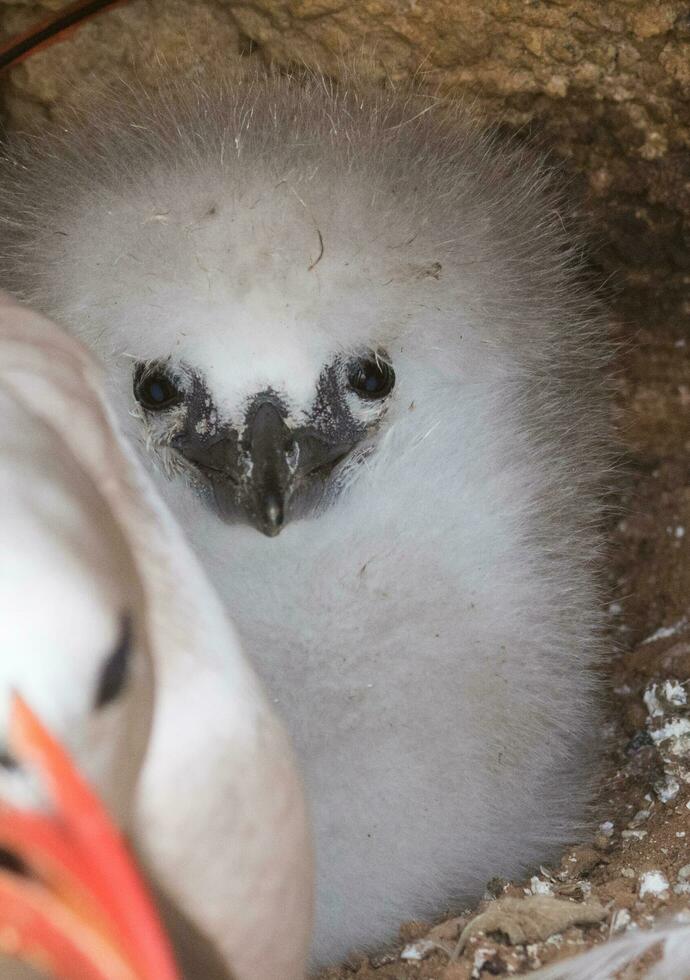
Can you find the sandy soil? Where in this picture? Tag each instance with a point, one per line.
(636, 866)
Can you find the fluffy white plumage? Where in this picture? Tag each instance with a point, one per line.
(427, 618)
(218, 812)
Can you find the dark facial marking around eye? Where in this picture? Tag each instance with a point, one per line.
(371, 376)
(155, 388)
(115, 671)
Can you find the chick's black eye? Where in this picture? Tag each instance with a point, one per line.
(371, 376)
(154, 389)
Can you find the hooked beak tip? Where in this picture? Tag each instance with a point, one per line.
(272, 514)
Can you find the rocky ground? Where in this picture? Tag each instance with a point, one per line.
(635, 868)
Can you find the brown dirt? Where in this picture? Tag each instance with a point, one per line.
(648, 588)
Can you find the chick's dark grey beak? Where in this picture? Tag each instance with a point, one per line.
(258, 471)
(273, 459)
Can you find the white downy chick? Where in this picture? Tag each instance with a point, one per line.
(95, 583)
(351, 321)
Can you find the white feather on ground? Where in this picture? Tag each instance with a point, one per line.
(670, 943)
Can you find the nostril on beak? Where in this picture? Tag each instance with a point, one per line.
(291, 450)
(12, 863)
(8, 761)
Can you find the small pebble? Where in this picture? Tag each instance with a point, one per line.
(539, 887)
(621, 920)
(653, 883)
(417, 951)
(668, 789)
